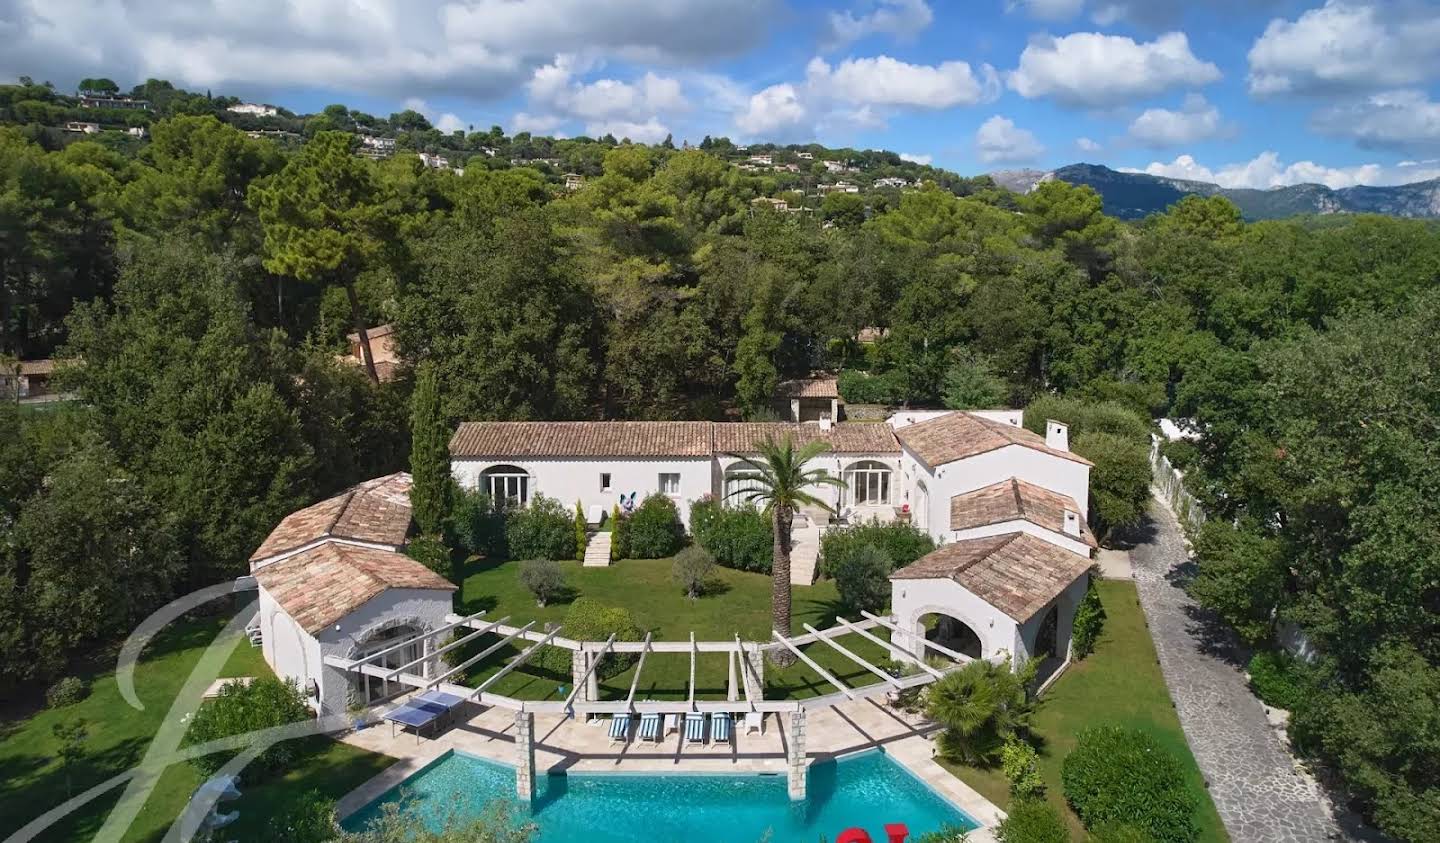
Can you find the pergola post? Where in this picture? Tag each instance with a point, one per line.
(580, 675)
(525, 754)
(795, 755)
(754, 674)
(732, 692)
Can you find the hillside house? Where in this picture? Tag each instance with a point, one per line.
(574, 181)
(810, 399)
(28, 382)
(770, 202)
(382, 345)
(254, 109)
(372, 146)
(434, 162)
(117, 101)
(82, 128)
(805, 156)
(763, 160)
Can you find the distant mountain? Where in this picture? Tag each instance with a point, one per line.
(1136, 195)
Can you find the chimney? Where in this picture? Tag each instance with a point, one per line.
(1072, 523)
(1057, 435)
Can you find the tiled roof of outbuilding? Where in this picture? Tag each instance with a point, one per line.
(376, 511)
(324, 584)
(1016, 573)
(1016, 500)
(955, 436)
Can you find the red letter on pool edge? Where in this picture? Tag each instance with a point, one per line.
(853, 835)
(897, 832)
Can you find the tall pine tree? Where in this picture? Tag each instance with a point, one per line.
(431, 489)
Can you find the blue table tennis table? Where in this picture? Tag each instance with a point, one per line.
(422, 710)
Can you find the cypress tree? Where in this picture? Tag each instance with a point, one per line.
(430, 492)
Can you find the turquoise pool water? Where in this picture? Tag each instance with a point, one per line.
(867, 790)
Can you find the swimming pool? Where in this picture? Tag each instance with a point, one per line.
(866, 790)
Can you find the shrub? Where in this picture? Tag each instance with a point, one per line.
(543, 578)
(1120, 480)
(1032, 821)
(945, 834)
(692, 567)
(1118, 833)
(478, 527)
(1021, 766)
(971, 383)
(1281, 680)
(739, 537)
(1109, 417)
(981, 705)
(588, 620)
(582, 532)
(1183, 454)
(239, 709)
(68, 691)
(862, 576)
(865, 388)
(542, 530)
(1118, 775)
(310, 820)
(619, 535)
(1089, 621)
(655, 531)
(900, 542)
(431, 552)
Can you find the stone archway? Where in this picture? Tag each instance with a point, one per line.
(370, 689)
(948, 628)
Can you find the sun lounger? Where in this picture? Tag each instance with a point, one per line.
(650, 727)
(619, 728)
(720, 727)
(754, 722)
(694, 728)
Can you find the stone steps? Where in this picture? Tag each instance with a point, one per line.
(804, 555)
(597, 552)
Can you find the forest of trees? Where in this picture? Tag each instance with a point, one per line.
(201, 285)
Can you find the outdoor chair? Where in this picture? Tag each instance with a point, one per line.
(720, 727)
(754, 722)
(694, 728)
(650, 727)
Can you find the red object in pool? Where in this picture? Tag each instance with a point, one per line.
(895, 832)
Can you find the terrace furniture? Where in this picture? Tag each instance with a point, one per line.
(694, 728)
(422, 710)
(650, 727)
(720, 727)
(754, 722)
(619, 728)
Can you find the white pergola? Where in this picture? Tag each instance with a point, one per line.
(583, 698)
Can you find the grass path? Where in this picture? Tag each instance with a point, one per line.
(1121, 684)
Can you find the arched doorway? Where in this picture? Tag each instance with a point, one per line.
(507, 485)
(370, 689)
(951, 633)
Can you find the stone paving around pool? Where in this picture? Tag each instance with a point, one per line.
(563, 745)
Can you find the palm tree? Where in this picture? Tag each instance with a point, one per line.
(981, 705)
(778, 480)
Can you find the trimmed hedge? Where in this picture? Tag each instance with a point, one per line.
(739, 537)
(542, 530)
(1119, 775)
(654, 530)
(1032, 821)
(431, 552)
(1089, 622)
(865, 388)
(588, 620)
(898, 541)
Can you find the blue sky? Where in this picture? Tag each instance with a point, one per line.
(1251, 93)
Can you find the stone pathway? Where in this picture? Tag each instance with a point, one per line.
(1262, 794)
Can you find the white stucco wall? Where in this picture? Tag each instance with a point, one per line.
(1058, 474)
(1020, 526)
(1068, 601)
(290, 651)
(912, 600)
(569, 480)
(835, 465)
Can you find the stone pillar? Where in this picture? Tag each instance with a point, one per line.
(732, 690)
(795, 409)
(525, 755)
(592, 684)
(579, 663)
(795, 756)
(754, 677)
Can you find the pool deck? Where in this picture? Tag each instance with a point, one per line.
(563, 745)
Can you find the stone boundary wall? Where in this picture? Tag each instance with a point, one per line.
(1170, 487)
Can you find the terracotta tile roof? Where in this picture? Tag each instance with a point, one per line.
(373, 333)
(376, 511)
(1016, 500)
(43, 366)
(326, 583)
(955, 436)
(743, 437)
(1015, 572)
(817, 387)
(582, 439)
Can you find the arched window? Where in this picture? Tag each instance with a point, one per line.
(867, 483)
(507, 485)
(739, 479)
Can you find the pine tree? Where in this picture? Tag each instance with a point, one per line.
(430, 491)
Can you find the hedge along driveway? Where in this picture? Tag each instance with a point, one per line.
(738, 604)
(1119, 684)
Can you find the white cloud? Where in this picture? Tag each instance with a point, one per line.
(477, 48)
(650, 131)
(1051, 10)
(446, 122)
(1266, 171)
(999, 140)
(1401, 120)
(1091, 70)
(885, 81)
(535, 124)
(923, 160)
(1347, 46)
(772, 111)
(899, 18)
(1086, 145)
(1159, 127)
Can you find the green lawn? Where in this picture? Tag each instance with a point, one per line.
(738, 603)
(1121, 684)
(31, 780)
